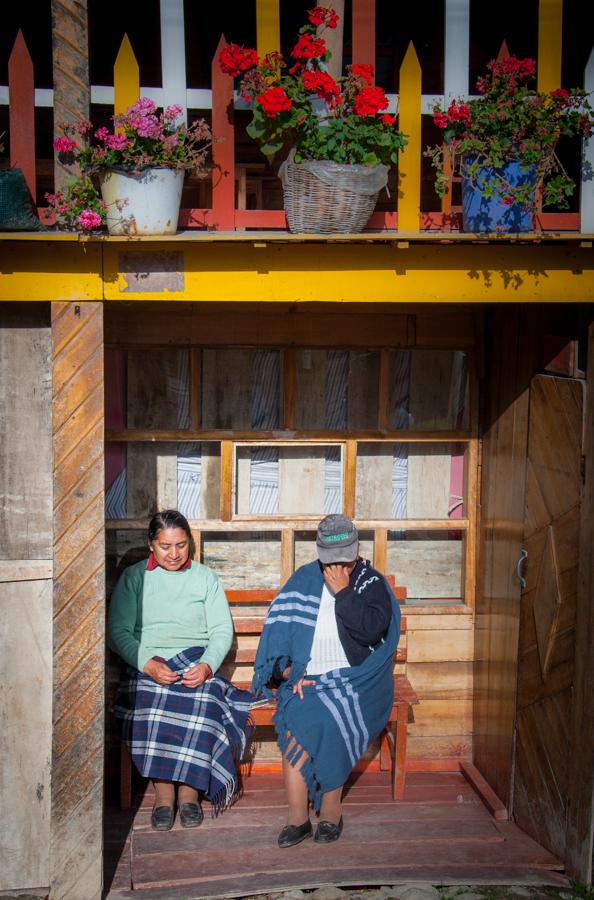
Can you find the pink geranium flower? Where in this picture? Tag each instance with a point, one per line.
(89, 219)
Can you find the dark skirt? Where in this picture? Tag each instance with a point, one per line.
(193, 735)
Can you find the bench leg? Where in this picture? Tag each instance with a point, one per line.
(399, 763)
(385, 750)
(125, 777)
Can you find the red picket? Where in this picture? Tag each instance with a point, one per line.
(21, 119)
(364, 32)
(223, 151)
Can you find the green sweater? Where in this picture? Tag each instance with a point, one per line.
(161, 613)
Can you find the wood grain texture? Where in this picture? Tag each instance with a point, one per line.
(547, 621)
(580, 828)
(26, 508)
(79, 597)
(507, 337)
(223, 149)
(70, 59)
(22, 111)
(440, 831)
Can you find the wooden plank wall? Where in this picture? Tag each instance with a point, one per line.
(25, 595)
(505, 428)
(79, 601)
(580, 828)
(71, 82)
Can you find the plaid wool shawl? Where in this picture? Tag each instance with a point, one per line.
(193, 735)
(344, 709)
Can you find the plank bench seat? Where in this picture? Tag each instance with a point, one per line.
(393, 740)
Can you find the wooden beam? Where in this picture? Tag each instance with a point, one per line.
(289, 387)
(195, 388)
(227, 479)
(286, 438)
(349, 478)
(380, 549)
(276, 523)
(384, 389)
(79, 603)
(363, 34)
(287, 561)
(70, 59)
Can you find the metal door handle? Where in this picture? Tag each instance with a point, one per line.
(520, 567)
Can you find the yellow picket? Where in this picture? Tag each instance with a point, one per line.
(550, 27)
(126, 78)
(267, 26)
(409, 162)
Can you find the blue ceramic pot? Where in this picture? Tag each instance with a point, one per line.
(487, 214)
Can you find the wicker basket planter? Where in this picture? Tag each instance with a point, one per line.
(323, 197)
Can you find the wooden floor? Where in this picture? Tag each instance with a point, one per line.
(441, 832)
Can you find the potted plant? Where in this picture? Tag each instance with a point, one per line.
(504, 145)
(141, 166)
(342, 139)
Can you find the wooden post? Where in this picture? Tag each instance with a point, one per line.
(223, 150)
(267, 26)
(22, 111)
(579, 838)
(79, 601)
(364, 32)
(409, 163)
(550, 30)
(126, 78)
(70, 53)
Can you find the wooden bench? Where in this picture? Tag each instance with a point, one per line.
(393, 741)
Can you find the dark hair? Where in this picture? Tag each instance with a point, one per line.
(171, 518)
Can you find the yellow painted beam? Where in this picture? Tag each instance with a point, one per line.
(41, 271)
(126, 78)
(365, 273)
(550, 33)
(342, 273)
(409, 160)
(267, 26)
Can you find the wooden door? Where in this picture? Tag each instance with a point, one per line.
(546, 655)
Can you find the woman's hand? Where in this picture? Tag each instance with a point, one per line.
(196, 675)
(298, 687)
(160, 672)
(336, 577)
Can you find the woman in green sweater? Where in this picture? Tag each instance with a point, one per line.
(170, 623)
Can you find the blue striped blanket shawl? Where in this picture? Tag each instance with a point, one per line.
(344, 709)
(192, 735)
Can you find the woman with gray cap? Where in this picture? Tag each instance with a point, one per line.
(327, 645)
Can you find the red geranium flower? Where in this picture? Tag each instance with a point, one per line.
(274, 101)
(322, 15)
(441, 119)
(308, 47)
(369, 101)
(234, 60)
(364, 71)
(323, 85)
(388, 120)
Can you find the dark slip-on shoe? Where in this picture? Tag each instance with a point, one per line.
(162, 818)
(190, 815)
(294, 834)
(326, 832)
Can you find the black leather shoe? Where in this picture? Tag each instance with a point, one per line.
(326, 832)
(162, 818)
(190, 815)
(294, 834)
